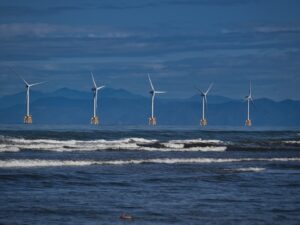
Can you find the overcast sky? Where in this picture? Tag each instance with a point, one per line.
(181, 43)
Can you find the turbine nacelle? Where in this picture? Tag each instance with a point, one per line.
(249, 97)
(27, 85)
(202, 93)
(95, 88)
(153, 91)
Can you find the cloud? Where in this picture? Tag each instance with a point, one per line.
(160, 3)
(263, 29)
(277, 29)
(40, 30)
(28, 10)
(37, 41)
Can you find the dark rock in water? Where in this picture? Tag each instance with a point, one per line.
(125, 216)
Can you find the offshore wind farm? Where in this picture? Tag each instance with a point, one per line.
(153, 92)
(120, 106)
(149, 112)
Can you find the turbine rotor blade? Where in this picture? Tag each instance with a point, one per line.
(159, 92)
(98, 88)
(95, 85)
(15, 72)
(24, 81)
(198, 89)
(150, 82)
(30, 85)
(209, 88)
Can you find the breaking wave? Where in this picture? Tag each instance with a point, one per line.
(24, 163)
(259, 145)
(249, 169)
(11, 144)
(292, 142)
(15, 144)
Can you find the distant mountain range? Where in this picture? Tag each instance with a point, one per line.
(117, 107)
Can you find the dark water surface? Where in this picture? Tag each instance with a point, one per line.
(159, 176)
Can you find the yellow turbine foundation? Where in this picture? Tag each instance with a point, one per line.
(28, 119)
(152, 121)
(94, 120)
(248, 123)
(203, 122)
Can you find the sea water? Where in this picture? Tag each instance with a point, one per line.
(162, 175)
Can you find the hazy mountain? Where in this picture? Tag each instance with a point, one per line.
(19, 98)
(213, 99)
(66, 106)
(105, 93)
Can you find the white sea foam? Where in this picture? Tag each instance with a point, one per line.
(191, 149)
(250, 169)
(173, 145)
(292, 142)
(198, 140)
(24, 163)
(17, 144)
(8, 148)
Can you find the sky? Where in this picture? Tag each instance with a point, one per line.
(180, 43)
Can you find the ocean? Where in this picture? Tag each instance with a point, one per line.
(161, 175)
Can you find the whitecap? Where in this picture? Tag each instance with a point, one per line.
(198, 140)
(292, 142)
(132, 143)
(26, 163)
(249, 169)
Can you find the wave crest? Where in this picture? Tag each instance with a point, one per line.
(8, 144)
(249, 169)
(26, 163)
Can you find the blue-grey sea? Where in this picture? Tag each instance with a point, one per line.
(161, 175)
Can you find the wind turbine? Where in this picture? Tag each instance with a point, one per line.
(28, 117)
(153, 92)
(95, 89)
(248, 99)
(203, 121)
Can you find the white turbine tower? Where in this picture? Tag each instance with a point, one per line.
(95, 89)
(153, 92)
(248, 99)
(28, 117)
(203, 121)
